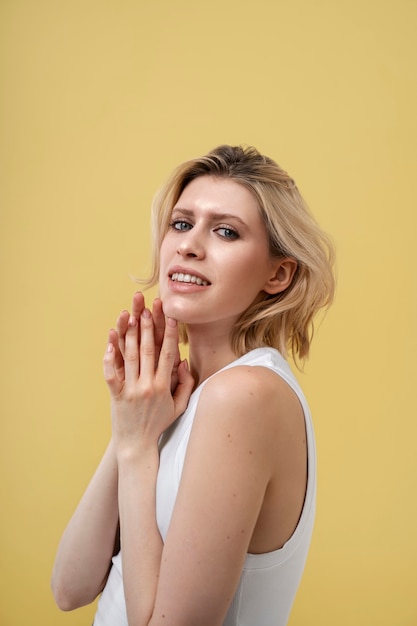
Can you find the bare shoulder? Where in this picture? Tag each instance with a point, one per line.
(255, 407)
(257, 392)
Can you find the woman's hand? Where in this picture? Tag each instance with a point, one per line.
(118, 339)
(139, 380)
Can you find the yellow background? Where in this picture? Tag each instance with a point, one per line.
(100, 99)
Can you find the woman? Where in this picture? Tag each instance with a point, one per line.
(208, 484)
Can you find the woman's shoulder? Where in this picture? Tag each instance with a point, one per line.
(262, 368)
(265, 357)
(240, 379)
(253, 387)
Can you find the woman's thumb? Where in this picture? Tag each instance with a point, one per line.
(184, 388)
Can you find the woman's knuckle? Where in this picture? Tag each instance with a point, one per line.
(160, 387)
(130, 396)
(168, 354)
(147, 391)
(148, 350)
(109, 377)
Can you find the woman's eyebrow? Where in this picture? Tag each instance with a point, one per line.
(213, 216)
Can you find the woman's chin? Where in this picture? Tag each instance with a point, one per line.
(176, 312)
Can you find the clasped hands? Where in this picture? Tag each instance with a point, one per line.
(149, 384)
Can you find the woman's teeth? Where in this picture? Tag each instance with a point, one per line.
(188, 278)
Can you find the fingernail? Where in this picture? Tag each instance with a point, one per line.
(171, 322)
(146, 313)
(132, 321)
(186, 365)
(109, 347)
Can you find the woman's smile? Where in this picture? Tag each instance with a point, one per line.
(179, 277)
(186, 276)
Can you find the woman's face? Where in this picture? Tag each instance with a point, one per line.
(214, 257)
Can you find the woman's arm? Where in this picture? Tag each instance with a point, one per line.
(92, 536)
(88, 543)
(229, 464)
(142, 408)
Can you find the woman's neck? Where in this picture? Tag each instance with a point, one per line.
(208, 354)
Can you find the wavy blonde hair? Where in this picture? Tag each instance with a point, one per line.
(284, 320)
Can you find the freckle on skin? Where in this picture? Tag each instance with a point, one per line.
(250, 451)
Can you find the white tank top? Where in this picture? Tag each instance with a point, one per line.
(269, 581)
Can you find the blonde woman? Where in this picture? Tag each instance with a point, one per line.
(202, 508)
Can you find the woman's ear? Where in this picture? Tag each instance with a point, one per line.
(283, 273)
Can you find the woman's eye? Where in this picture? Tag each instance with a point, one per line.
(180, 225)
(227, 233)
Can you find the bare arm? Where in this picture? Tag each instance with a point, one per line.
(228, 466)
(88, 543)
(92, 536)
(142, 408)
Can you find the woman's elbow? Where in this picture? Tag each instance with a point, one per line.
(68, 599)
(62, 599)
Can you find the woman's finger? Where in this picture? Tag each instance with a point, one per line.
(131, 352)
(147, 346)
(109, 370)
(159, 324)
(118, 356)
(121, 326)
(138, 304)
(169, 351)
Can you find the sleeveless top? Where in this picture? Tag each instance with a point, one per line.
(268, 582)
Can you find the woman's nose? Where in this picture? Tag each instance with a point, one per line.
(191, 245)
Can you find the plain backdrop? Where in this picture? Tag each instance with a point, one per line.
(99, 100)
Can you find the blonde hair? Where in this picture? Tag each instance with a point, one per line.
(284, 320)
